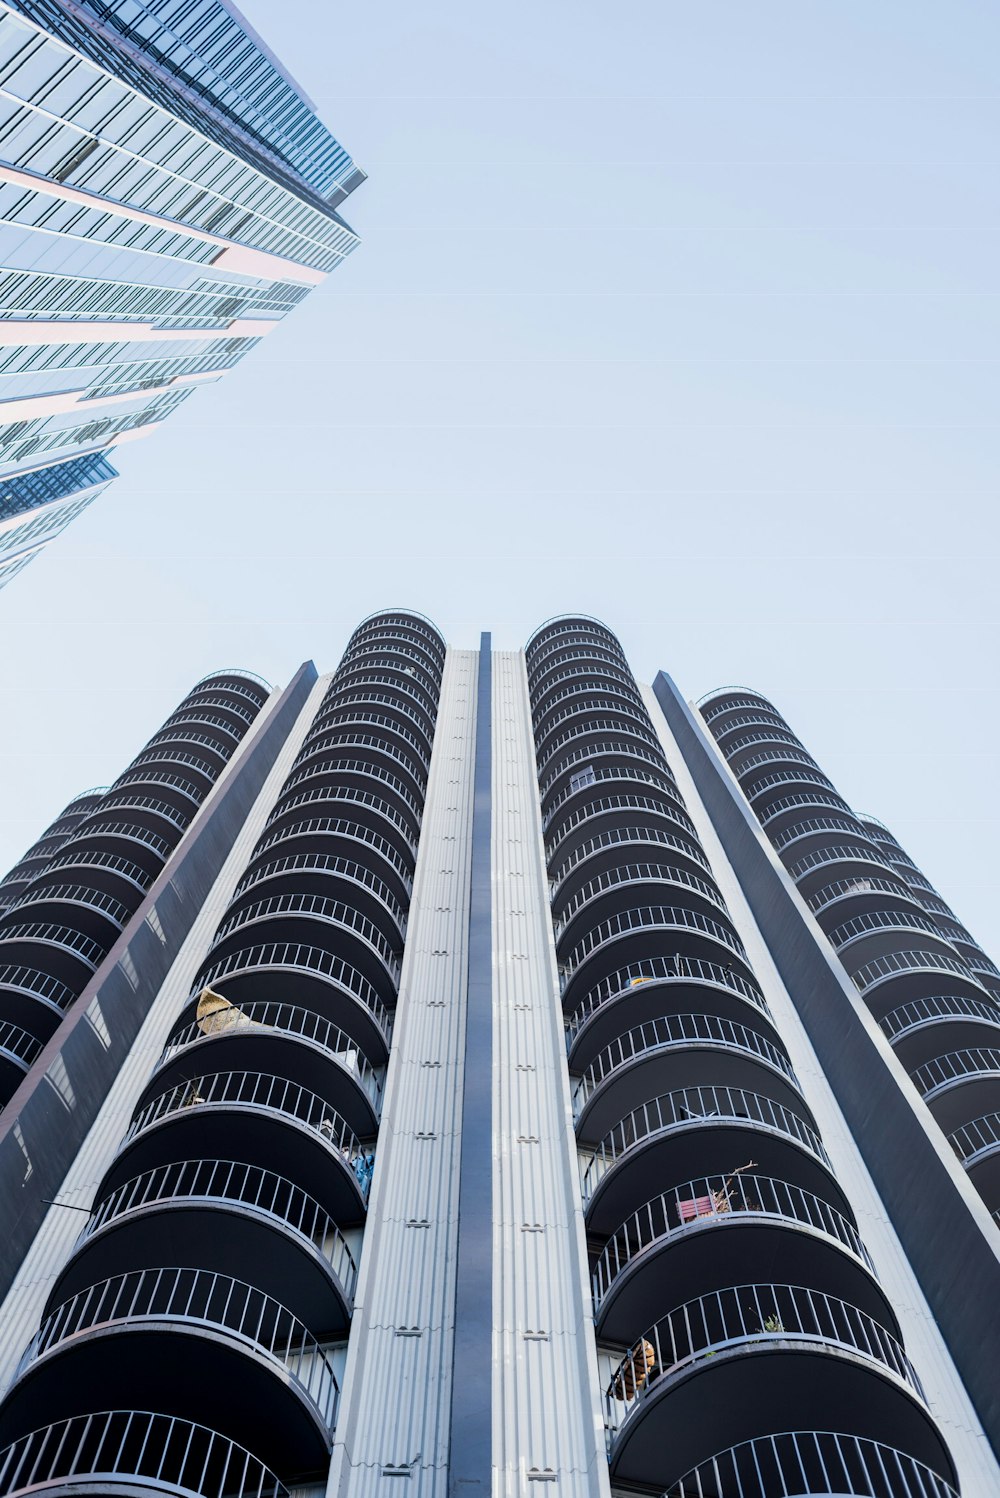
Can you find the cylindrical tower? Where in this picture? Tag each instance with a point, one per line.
(742, 1331)
(99, 859)
(209, 1297)
(928, 983)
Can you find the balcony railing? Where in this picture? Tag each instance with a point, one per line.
(220, 1181)
(816, 827)
(673, 969)
(273, 1094)
(744, 1316)
(957, 1066)
(938, 1008)
(899, 964)
(318, 742)
(326, 863)
(811, 1462)
(713, 1198)
(76, 894)
(300, 957)
(648, 918)
(284, 1019)
(322, 908)
(869, 884)
(197, 1297)
(621, 837)
(838, 853)
(980, 1137)
(350, 794)
(18, 1043)
(339, 827)
(680, 1031)
(883, 920)
(692, 1105)
(619, 803)
(638, 873)
(119, 1446)
(28, 980)
(619, 775)
(110, 861)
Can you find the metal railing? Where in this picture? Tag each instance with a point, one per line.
(745, 1316)
(709, 1199)
(324, 908)
(883, 920)
(785, 804)
(647, 918)
(185, 788)
(893, 964)
(18, 1043)
(194, 715)
(695, 1105)
(598, 748)
(763, 717)
(370, 771)
(773, 735)
(630, 732)
(37, 985)
(357, 696)
(627, 774)
(591, 669)
(329, 738)
(130, 830)
(349, 676)
(300, 957)
(815, 1462)
(76, 894)
(206, 1298)
(378, 743)
(168, 1454)
(626, 802)
(573, 650)
(790, 755)
(838, 853)
(220, 1181)
(624, 706)
(813, 827)
(869, 884)
(169, 757)
(621, 836)
(112, 861)
(283, 1019)
(677, 1031)
(338, 827)
(274, 1094)
(179, 735)
(673, 969)
(64, 937)
(765, 783)
(956, 1066)
(623, 875)
(350, 794)
(204, 698)
(231, 676)
(980, 1137)
(937, 1007)
(593, 683)
(326, 863)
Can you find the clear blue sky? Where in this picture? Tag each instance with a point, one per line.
(685, 316)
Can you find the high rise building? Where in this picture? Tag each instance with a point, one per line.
(429, 1075)
(167, 194)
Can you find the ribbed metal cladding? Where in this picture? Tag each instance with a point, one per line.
(212, 1289)
(735, 1302)
(927, 982)
(99, 859)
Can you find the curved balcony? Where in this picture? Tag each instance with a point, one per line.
(917, 1030)
(779, 812)
(370, 706)
(587, 693)
(400, 625)
(589, 783)
(764, 718)
(238, 679)
(68, 954)
(267, 1120)
(627, 732)
(282, 1391)
(352, 839)
(95, 913)
(879, 933)
(357, 939)
(782, 783)
(823, 1464)
(125, 1451)
(149, 812)
(977, 1145)
(212, 1215)
(603, 852)
(374, 811)
(184, 794)
(641, 932)
(338, 774)
(216, 702)
(383, 732)
(778, 739)
(148, 848)
(730, 699)
(776, 1222)
(608, 894)
(257, 1037)
(378, 752)
(574, 653)
(609, 812)
(106, 872)
(210, 726)
(669, 1052)
(18, 1049)
(873, 892)
(168, 737)
(814, 834)
(314, 873)
(643, 990)
(384, 663)
(616, 755)
(154, 760)
(920, 971)
(562, 624)
(316, 978)
(858, 861)
(398, 691)
(728, 1360)
(33, 999)
(709, 1126)
(957, 1085)
(589, 711)
(387, 650)
(589, 666)
(768, 758)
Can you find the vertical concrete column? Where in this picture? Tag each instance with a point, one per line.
(547, 1423)
(397, 1386)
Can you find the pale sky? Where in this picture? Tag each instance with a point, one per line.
(685, 316)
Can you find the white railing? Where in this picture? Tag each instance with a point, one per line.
(811, 1462)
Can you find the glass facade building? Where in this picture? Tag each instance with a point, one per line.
(167, 194)
(456, 1071)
